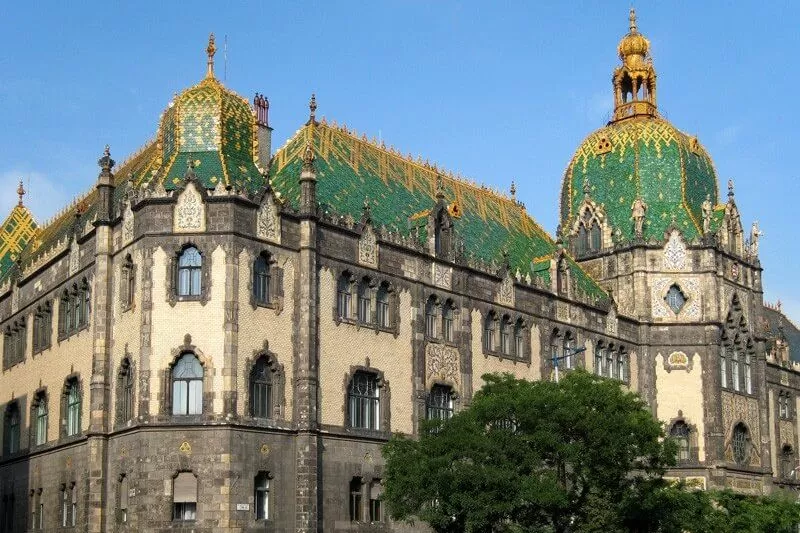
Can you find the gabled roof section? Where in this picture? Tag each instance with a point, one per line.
(779, 326)
(17, 231)
(401, 192)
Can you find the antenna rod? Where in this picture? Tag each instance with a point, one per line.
(225, 54)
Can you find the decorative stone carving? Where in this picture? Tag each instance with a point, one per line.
(127, 224)
(562, 311)
(675, 253)
(737, 408)
(442, 275)
(689, 286)
(786, 433)
(74, 258)
(268, 221)
(368, 247)
(190, 211)
(612, 323)
(680, 361)
(505, 295)
(695, 482)
(442, 362)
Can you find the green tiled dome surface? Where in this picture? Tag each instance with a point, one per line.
(651, 159)
(401, 193)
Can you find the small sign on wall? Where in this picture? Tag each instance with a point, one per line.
(242, 506)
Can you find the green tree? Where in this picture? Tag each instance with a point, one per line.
(533, 456)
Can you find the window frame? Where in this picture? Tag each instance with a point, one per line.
(262, 280)
(190, 390)
(42, 328)
(12, 430)
(190, 272)
(356, 495)
(436, 409)
(740, 444)
(365, 411)
(42, 418)
(263, 490)
(73, 407)
(182, 508)
(344, 296)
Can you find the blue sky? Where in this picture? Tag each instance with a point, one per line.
(493, 90)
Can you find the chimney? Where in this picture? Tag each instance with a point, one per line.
(261, 106)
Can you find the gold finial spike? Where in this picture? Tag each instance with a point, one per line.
(513, 190)
(312, 106)
(20, 192)
(632, 19)
(211, 50)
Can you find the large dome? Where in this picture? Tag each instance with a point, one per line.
(646, 158)
(638, 158)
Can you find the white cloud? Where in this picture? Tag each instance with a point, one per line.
(44, 197)
(727, 136)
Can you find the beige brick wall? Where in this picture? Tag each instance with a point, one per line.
(682, 390)
(203, 322)
(346, 345)
(482, 364)
(260, 324)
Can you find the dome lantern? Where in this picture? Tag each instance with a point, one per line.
(635, 80)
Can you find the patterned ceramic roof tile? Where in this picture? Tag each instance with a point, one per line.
(651, 159)
(401, 192)
(779, 325)
(17, 231)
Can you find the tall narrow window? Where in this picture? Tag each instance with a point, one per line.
(187, 386)
(739, 443)
(490, 332)
(355, 499)
(569, 348)
(126, 287)
(735, 368)
(431, 318)
(73, 408)
(261, 389)
(123, 499)
(787, 462)
(126, 391)
(344, 296)
(723, 368)
(261, 495)
(184, 497)
(375, 510)
(505, 335)
(599, 359)
(448, 321)
(748, 374)
(382, 306)
(65, 494)
(440, 403)
(611, 356)
(74, 506)
(65, 313)
(190, 263)
(680, 434)
(77, 309)
(364, 302)
(622, 366)
(519, 339)
(42, 327)
(555, 350)
(261, 280)
(364, 401)
(41, 419)
(13, 421)
(582, 243)
(594, 238)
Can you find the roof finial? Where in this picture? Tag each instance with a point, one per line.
(632, 19)
(211, 50)
(312, 107)
(105, 162)
(20, 192)
(513, 190)
(730, 189)
(439, 187)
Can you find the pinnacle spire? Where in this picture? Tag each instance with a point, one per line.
(211, 50)
(312, 107)
(632, 20)
(20, 193)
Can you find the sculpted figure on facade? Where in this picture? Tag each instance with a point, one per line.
(638, 211)
(707, 209)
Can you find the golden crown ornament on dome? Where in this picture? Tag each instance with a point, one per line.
(633, 44)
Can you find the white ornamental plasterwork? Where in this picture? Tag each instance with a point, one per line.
(368, 247)
(612, 323)
(787, 433)
(505, 295)
(74, 258)
(441, 275)
(127, 224)
(737, 408)
(690, 288)
(268, 221)
(190, 211)
(692, 310)
(675, 253)
(678, 361)
(442, 363)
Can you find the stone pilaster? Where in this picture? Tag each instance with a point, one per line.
(145, 334)
(231, 332)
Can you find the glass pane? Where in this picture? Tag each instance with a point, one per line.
(196, 397)
(195, 282)
(179, 397)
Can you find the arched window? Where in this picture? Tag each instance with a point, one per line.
(448, 322)
(748, 373)
(187, 386)
(723, 367)
(12, 429)
(599, 359)
(787, 462)
(344, 296)
(122, 515)
(735, 368)
(595, 243)
(127, 283)
(382, 306)
(42, 327)
(261, 495)
(740, 442)
(505, 335)
(555, 349)
(375, 501)
(73, 418)
(440, 403)
(356, 488)
(184, 497)
(622, 365)
(680, 434)
(40, 411)
(519, 339)
(190, 263)
(490, 332)
(125, 391)
(364, 401)
(431, 318)
(582, 244)
(261, 389)
(569, 348)
(611, 356)
(65, 313)
(364, 302)
(261, 280)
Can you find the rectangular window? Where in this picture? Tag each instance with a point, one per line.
(723, 369)
(382, 307)
(748, 375)
(447, 325)
(74, 513)
(505, 340)
(430, 325)
(261, 496)
(355, 500)
(184, 497)
(64, 507)
(364, 311)
(375, 514)
(735, 371)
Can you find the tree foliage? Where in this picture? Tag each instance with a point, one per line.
(581, 456)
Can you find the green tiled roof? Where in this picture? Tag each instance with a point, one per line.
(401, 193)
(650, 159)
(17, 231)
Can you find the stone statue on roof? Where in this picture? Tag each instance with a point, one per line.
(755, 234)
(707, 209)
(638, 211)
